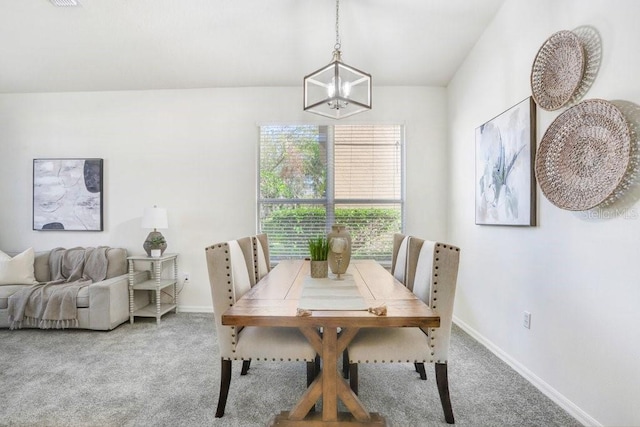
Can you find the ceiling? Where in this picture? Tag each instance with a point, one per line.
(177, 44)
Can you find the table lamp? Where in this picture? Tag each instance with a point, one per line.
(155, 218)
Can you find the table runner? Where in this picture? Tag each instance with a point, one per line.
(331, 294)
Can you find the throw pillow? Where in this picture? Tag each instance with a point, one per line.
(17, 270)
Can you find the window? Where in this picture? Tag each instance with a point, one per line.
(314, 176)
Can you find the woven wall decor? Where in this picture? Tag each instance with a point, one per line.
(557, 70)
(592, 47)
(583, 155)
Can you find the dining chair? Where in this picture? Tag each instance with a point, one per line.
(256, 252)
(399, 256)
(400, 264)
(261, 255)
(434, 281)
(229, 278)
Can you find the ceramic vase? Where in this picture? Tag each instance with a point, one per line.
(340, 231)
(319, 269)
(147, 244)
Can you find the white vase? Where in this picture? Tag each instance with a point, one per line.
(339, 231)
(155, 253)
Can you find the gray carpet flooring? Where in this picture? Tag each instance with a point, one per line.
(143, 375)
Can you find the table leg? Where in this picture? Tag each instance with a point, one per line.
(157, 273)
(329, 385)
(158, 306)
(131, 294)
(329, 374)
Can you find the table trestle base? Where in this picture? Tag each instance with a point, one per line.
(314, 419)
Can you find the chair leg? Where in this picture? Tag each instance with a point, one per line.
(311, 372)
(442, 379)
(353, 377)
(245, 367)
(313, 369)
(345, 364)
(420, 369)
(225, 381)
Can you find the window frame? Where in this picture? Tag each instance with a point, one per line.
(330, 201)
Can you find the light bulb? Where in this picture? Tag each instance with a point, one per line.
(346, 89)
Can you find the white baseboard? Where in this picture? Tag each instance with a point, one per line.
(537, 382)
(194, 309)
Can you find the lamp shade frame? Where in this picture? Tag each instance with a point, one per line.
(332, 79)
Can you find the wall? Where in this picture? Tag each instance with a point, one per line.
(576, 272)
(193, 152)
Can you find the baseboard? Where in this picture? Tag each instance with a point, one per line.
(194, 309)
(537, 382)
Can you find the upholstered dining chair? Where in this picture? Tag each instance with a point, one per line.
(229, 277)
(262, 263)
(434, 281)
(401, 268)
(399, 256)
(255, 250)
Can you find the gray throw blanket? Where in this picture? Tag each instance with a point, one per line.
(53, 304)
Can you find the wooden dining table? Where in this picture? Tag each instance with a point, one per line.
(275, 301)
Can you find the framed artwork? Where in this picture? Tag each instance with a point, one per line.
(505, 181)
(67, 194)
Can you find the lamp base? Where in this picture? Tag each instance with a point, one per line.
(147, 243)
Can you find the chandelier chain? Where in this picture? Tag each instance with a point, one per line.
(337, 46)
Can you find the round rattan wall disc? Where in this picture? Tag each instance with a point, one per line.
(557, 70)
(583, 155)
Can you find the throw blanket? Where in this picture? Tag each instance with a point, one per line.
(53, 304)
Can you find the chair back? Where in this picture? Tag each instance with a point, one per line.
(399, 257)
(246, 246)
(261, 255)
(434, 281)
(229, 279)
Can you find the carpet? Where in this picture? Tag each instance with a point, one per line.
(144, 375)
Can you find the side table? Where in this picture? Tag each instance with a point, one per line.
(156, 308)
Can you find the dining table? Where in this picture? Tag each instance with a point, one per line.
(329, 312)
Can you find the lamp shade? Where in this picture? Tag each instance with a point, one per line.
(155, 217)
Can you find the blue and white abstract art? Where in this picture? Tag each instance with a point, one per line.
(505, 147)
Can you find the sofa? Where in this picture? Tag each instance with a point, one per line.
(102, 305)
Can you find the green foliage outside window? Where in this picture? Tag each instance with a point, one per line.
(371, 229)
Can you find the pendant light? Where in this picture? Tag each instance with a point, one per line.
(337, 90)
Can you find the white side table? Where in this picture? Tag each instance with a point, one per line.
(156, 283)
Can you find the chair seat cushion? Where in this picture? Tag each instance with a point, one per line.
(388, 345)
(279, 344)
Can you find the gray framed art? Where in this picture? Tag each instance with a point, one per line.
(505, 181)
(67, 194)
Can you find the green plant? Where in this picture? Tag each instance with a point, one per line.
(156, 242)
(319, 249)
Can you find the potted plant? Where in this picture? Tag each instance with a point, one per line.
(156, 244)
(319, 251)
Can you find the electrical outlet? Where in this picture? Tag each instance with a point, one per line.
(527, 320)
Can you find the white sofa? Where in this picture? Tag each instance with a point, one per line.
(101, 305)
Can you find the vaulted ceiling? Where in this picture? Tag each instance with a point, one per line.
(175, 44)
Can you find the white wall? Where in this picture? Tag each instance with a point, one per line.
(193, 152)
(577, 273)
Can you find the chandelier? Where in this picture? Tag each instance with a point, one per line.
(337, 90)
